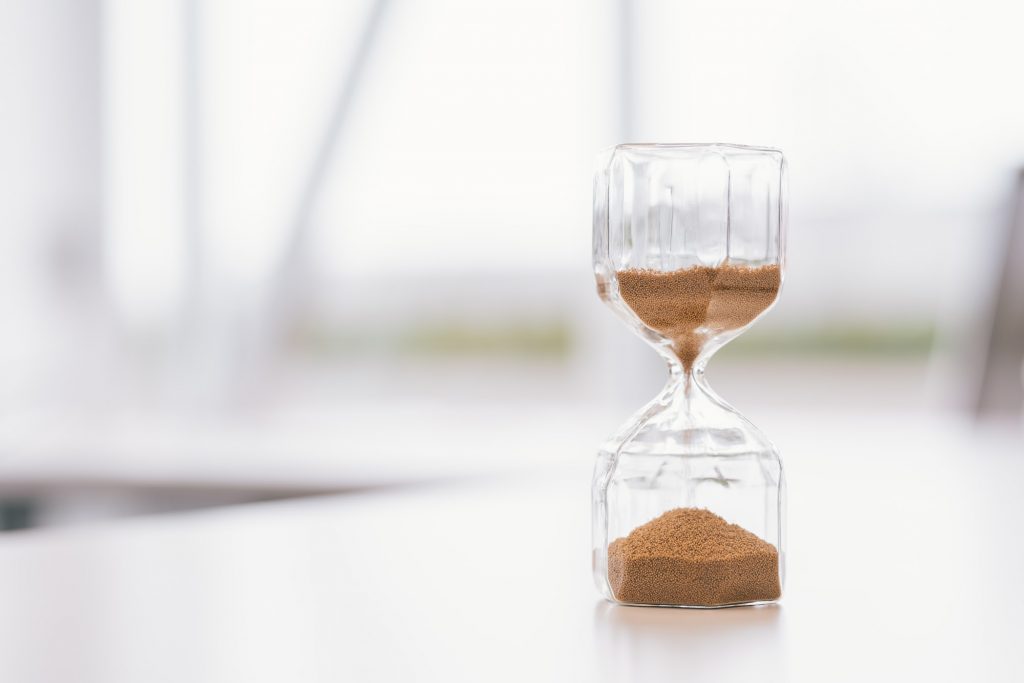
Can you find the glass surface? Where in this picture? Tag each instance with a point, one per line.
(688, 251)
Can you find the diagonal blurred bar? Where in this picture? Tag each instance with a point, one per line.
(293, 253)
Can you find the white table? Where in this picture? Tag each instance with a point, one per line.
(906, 562)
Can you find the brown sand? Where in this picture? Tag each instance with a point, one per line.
(690, 556)
(690, 305)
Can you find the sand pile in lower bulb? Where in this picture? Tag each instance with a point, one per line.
(690, 556)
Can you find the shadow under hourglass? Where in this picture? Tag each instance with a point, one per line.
(651, 644)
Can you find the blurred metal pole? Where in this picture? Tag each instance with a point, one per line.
(55, 352)
(195, 267)
(626, 68)
(1001, 387)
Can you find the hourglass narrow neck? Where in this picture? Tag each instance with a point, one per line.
(686, 384)
(688, 418)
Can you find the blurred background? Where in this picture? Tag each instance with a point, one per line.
(262, 249)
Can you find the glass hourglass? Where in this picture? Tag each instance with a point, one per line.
(688, 495)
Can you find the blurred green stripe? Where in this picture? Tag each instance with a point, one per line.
(557, 340)
(909, 340)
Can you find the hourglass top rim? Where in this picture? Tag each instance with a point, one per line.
(668, 146)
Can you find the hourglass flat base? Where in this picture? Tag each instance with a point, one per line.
(750, 603)
(755, 603)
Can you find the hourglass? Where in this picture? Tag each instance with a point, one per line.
(688, 495)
